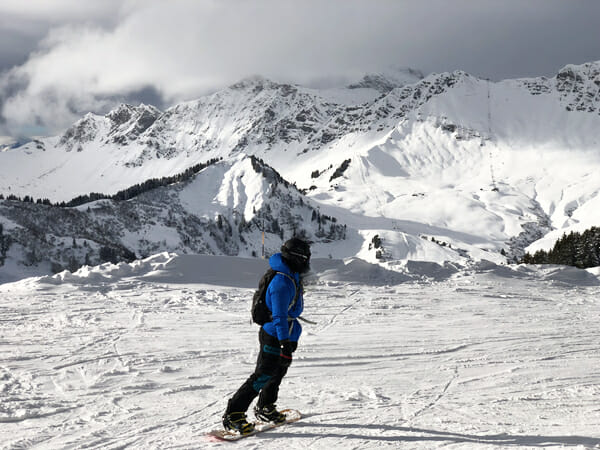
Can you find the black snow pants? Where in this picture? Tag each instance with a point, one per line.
(265, 380)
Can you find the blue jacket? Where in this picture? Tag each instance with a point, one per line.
(280, 295)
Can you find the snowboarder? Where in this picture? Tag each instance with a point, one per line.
(278, 340)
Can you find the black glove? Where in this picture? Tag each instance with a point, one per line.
(285, 353)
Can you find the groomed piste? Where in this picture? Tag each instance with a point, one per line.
(144, 355)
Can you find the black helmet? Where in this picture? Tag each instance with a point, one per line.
(296, 254)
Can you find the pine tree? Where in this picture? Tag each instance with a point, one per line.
(575, 249)
(4, 245)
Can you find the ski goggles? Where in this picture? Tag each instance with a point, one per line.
(304, 257)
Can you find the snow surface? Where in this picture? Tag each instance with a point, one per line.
(145, 355)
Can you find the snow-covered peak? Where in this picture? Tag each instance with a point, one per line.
(125, 112)
(589, 70)
(576, 86)
(83, 131)
(123, 124)
(389, 79)
(129, 122)
(255, 82)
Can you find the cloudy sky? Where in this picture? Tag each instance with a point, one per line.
(62, 58)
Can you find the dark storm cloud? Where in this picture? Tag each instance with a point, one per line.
(502, 39)
(15, 48)
(89, 54)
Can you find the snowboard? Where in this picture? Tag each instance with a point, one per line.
(292, 416)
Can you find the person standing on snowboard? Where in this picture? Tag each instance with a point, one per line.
(278, 340)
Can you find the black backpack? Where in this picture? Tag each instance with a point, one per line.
(260, 311)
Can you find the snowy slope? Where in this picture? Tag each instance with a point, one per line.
(221, 210)
(145, 355)
(483, 158)
(446, 167)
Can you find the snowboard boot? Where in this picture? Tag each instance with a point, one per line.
(269, 413)
(236, 421)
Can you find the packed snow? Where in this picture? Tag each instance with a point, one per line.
(145, 355)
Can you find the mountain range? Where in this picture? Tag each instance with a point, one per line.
(446, 168)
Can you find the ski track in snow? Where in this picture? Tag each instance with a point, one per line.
(476, 361)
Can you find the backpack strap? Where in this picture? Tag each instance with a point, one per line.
(295, 290)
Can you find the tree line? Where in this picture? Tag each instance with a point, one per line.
(125, 194)
(574, 249)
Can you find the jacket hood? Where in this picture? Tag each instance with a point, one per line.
(276, 263)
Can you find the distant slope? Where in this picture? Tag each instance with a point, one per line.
(222, 210)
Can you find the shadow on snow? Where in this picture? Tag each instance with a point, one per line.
(438, 436)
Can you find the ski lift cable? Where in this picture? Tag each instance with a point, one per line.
(489, 116)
